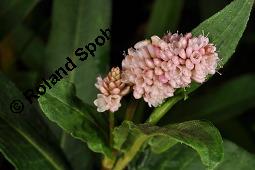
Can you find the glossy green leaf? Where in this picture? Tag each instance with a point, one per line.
(182, 157)
(61, 106)
(12, 13)
(225, 29)
(201, 136)
(24, 139)
(165, 17)
(74, 25)
(218, 103)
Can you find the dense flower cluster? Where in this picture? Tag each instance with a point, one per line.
(112, 89)
(156, 68)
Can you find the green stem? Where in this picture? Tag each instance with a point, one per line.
(111, 127)
(130, 154)
(160, 111)
(107, 163)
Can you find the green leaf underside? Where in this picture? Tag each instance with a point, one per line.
(12, 13)
(201, 136)
(61, 105)
(225, 29)
(182, 157)
(238, 95)
(165, 16)
(23, 138)
(83, 20)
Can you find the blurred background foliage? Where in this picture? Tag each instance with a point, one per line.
(36, 36)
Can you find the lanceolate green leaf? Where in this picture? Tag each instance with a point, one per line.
(225, 29)
(201, 136)
(61, 105)
(165, 16)
(182, 157)
(12, 12)
(74, 25)
(23, 138)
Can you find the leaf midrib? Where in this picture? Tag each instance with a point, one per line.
(34, 144)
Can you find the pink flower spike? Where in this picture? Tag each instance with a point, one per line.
(155, 68)
(112, 89)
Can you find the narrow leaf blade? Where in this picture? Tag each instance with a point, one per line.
(24, 140)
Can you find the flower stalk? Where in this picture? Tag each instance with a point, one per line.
(160, 111)
(111, 127)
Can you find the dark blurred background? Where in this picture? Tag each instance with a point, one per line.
(130, 18)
